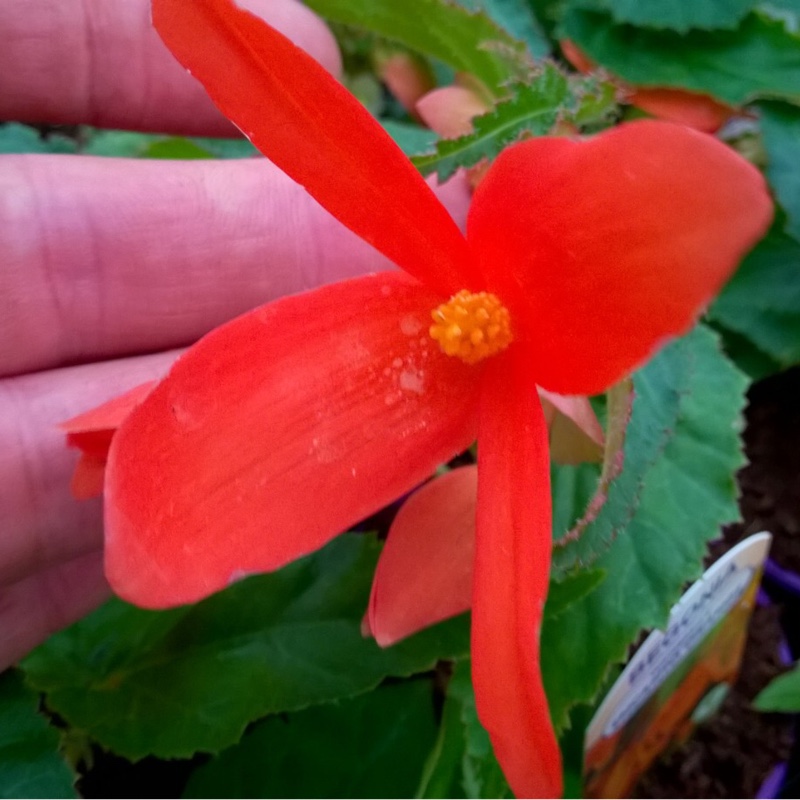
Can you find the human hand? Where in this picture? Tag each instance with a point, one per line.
(110, 264)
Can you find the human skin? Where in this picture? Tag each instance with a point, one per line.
(110, 265)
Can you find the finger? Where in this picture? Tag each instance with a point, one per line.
(41, 524)
(106, 257)
(48, 601)
(101, 63)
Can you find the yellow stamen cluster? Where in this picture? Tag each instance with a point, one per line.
(472, 326)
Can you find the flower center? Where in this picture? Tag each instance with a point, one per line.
(472, 326)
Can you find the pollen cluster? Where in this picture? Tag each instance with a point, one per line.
(472, 326)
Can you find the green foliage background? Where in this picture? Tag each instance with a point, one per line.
(274, 671)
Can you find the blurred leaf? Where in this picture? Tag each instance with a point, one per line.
(754, 363)
(227, 148)
(780, 128)
(192, 678)
(782, 694)
(677, 15)
(762, 300)
(686, 494)
(533, 109)
(129, 144)
(17, 138)
(761, 58)
(517, 18)
(30, 765)
(410, 138)
(373, 745)
(467, 41)
(116, 144)
(463, 763)
(175, 147)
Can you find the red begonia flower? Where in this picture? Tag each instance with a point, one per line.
(92, 432)
(289, 424)
(695, 109)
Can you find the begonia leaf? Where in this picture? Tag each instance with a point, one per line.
(468, 41)
(605, 212)
(782, 694)
(315, 131)
(533, 109)
(572, 588)
(462, 763)
(687, 494)
(761, 58)
(780, 128)
(646, 428)
(30, 764)
(18, 138)
(373, 745)
(517, 17)
(762, 302)
(676, 15)
(336, 394)
(191, 679)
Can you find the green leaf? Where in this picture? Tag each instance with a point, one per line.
(780, 127)
(17, 138)
(762, 301)
(676, 15)
(129, 144)
(409, 138)
(754, 363)
(532, 109)
(176, 147)
(782, 694)
(467, 41)
(687, 493)
(572, 588)
(30, 765)
(463, 763)
(761, 58)
(373, 745)
(174, 682)
(517, 18)
(641, 433)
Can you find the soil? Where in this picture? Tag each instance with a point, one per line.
(735, 752)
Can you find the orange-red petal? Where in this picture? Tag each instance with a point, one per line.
(92, 432)
(277, 431)
(318, 133)
(699, 111)
(575, 432)
(106, 417)
(424, 574)
(512, 567)
(89, 477)
(603, 248)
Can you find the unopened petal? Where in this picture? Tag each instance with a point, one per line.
(92, 432)
(424, 574)
(575, 432)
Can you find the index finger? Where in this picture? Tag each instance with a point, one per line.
(100, 62)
